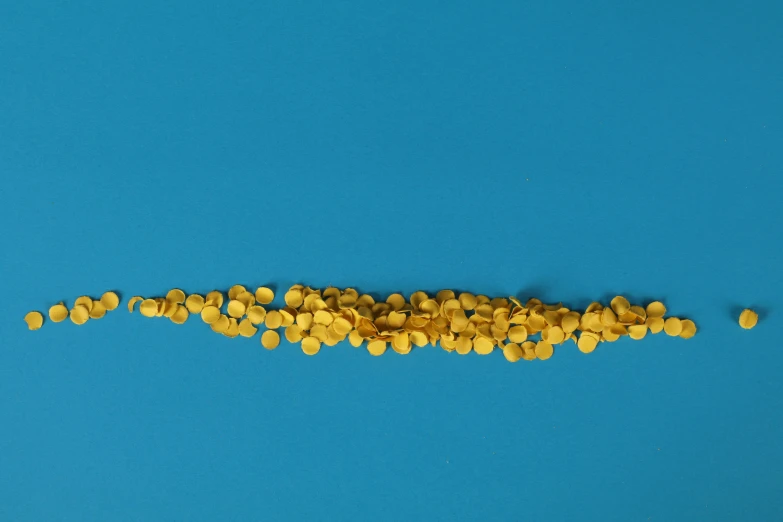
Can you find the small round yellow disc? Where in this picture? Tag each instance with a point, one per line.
(79, 314)
(293, 334)
(236, 308)
(84, 301)
(672, 326)
(620, 305)
(176, 296)
(586, 343)
(148, 308)
(210, 314)
(235, 290)
(293, 298)
(688, 329)
(270, 339)
(221, 325)
(544, 350)
(311, 345)
(655, 324)
(517, 334)
(180, 315)
(513, 352)
(273, 320)
(256, 314)
(34, 320)
(637, 332)
(377, 347)
(265, 295)
(214, 298)
(483, 346)
(58, 313)
(132, 302)
(110, 301)
(246, 328)
(656, 309)
(194, 303)
(748, 319)
(98, 310)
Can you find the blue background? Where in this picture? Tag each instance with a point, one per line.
(567, 150)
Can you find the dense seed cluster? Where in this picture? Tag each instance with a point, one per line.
(457, 322)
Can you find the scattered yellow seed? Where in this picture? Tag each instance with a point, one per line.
(232, 331)
(396, 301)
(246, 328)
(221, 325)
(556, 335)
(58, 313)
(637, 331)
(544, 350)
(608, 317)
(513, 352)
(194, 303)
(214, 298)
(419, 339)
(672, 326)
(256, 314)
(354, 338)
(570, 322)
(270, 339)
(176, 296)
(264, 295)
(688, 329)
(288, 318)
(656, 309)
(620, 305)
(376, 347)
(235, 290)
(483, 346)
(517, 334)
(210, 314)
(84, 301)
(180, 315)
(467, 301)
(587, 343)
(323, 317)
(110, 301)
(236, 308)
(98, 310)
(311, 345)
(655, 324)
(132, 302)
(273, 320)
(148, 308)
(247, 299)
(748, 319)
(34, 320)
(528, 350)
(293, 334)
(79, 314)
(293, 298)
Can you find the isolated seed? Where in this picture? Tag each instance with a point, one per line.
(58, 313)
(672, 326)
(270, 339)
(748, 319)
(34, 320)
(110, 301)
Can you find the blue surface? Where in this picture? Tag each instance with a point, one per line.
(568, 150)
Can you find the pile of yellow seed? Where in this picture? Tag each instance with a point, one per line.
(84, 309)
(461, 323)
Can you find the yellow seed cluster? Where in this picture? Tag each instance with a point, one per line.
(462, 323)
(84, 309)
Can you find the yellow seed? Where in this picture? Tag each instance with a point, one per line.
(246, 328)
(444, 295)
(85, 302)
(79, 314)
(320, 332)
(401, 343)
(305, 320)
(293, 298)
(447, 344)
(98, 310)
(170, 308)
(672, 326)
(512, 352)
(270, 339)
(627, 318)
(431, 307)
(288, 318)
(587, 343)
(176, 296)
(748, 319)
(397, 301)
(311, 345)
(609, 335)
(210, 314)
(110, 301)
(656, 309)
(355, 339)
(608, 317)
(620, 305)
(419, 339)
(639, 312)
(273, 320)
(637, 331)
(221, 325)
(180, 315)
(235, 290)
(570, 322)
(467, 301)
(233, 329)
(323, 317)
(214, 298)
(265, 295)
(688, 329)
(528, 350)
(555, 335)
(133, 300)
(342, 326)
(148, 308)
(256, 314)
(236, 308)
(377, 347)
(517, 334)
(160, 304)
(34, 320)
(483, 346)
(247, 299)
(293, 334)
(536, 322)
(655, 324)
(544, 350)
(58, 313)
(194, 303)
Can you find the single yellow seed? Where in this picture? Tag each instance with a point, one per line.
(544, 350)
(85, 302)
(232, 331)
(528, 350)
(748, 319)
(377, 347)
(34, 320)
(517, 334)
(513, 352)
(655, 324)
(570, 322)
(672, 326)
(58, 313)
(355, 339)
(688, 329)
(305, 320)
(608, 317)
(79, 314)
(235, 290)
(264, 295)
(274, 320)
(556, 335)
(293, 334)
(210, 314)
(246, 328)
(467, 301)
(323, 317)
(170, 308)
(620, 305)
(98, 310)
(419, 339)
(396, 301)
(256, 314)
(637, 331)
(236, 308)
(148, 308)
(587, 343)
(288, 318)
(401, 343)
(133, 300)
(176, 296)
(221, 325)
(609, 335)
(180, 315)
(214, 298)
(656, 309)
(463, 346)
(293, 298)
(311, 345)
(194, 303)
(483, 346)
(110, 301)
(270, 339)
(320, 332)
(161, 303)
(342, 326)
(247, 299)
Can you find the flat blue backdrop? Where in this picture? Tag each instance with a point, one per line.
(568, 150)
